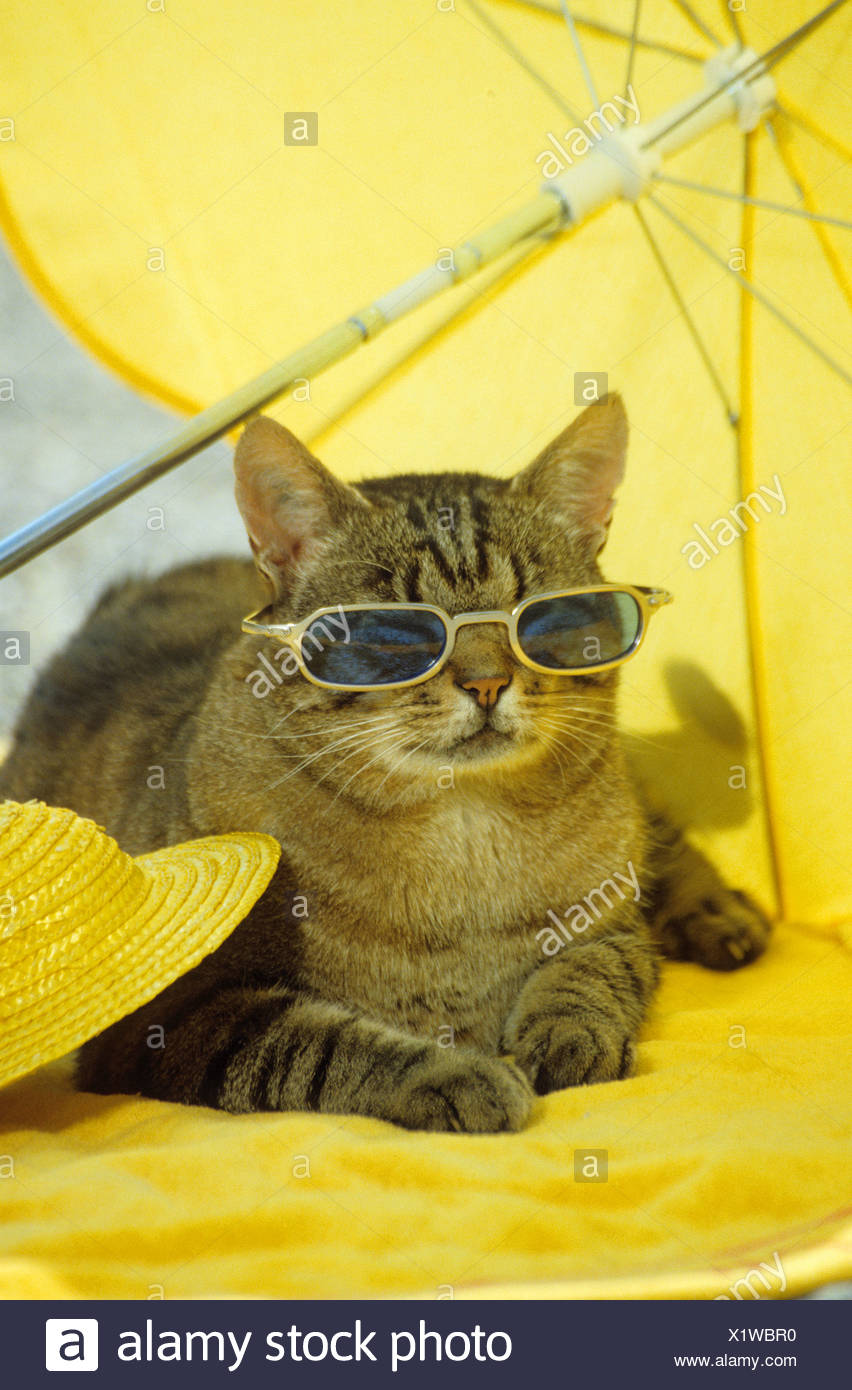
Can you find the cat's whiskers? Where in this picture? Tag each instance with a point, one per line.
(335, 727)
(562, 702)
(573, 756)
(248, 733)
(308, 703)
(398, 765)
(360, 736)
(218, 725)
(579, 720)
(360, 770)
(320, 753)
(552, 745)
(366, 743)
(564, 705)
(365, 746)
(576, 728)
(571, 751)
(576, 715)
(559, 706)
(586, 739)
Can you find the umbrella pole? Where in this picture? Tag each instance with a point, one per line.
(623, 165)
(544, 213)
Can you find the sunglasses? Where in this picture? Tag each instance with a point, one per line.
(383, 646)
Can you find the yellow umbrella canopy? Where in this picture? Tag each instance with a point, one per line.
(197, 192)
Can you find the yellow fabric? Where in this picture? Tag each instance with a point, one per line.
(153, 136)
(729, 1148)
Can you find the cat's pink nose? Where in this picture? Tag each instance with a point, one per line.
(486, 691)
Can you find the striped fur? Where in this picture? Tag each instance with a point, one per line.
(397, 956)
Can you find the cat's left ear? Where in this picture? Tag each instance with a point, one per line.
(575, 477)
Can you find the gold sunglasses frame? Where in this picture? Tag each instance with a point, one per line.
(290, 635)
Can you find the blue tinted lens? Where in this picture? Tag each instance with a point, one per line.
(580, 630)
(383, 645)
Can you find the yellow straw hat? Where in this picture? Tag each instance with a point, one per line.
(88, 934)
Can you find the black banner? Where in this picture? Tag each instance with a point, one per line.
(196, 1344)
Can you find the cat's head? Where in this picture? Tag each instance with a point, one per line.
(466, 543)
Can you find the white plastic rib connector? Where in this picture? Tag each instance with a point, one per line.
(616, 168)
(754, 95)
(623, 162)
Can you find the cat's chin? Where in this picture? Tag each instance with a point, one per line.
(490, 750)
(487, 743)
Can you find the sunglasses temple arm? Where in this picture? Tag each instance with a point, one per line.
(284, 631)
(657, 597)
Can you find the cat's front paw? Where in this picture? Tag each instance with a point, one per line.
(572, 1050)
(723, 931)
(467, 1092)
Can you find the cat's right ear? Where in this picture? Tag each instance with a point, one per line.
(288, 500)
(575, 477)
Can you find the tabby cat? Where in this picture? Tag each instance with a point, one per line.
(431, 833)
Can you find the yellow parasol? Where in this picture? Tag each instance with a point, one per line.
(521, 204)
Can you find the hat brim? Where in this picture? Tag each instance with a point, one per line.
(198, 892)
